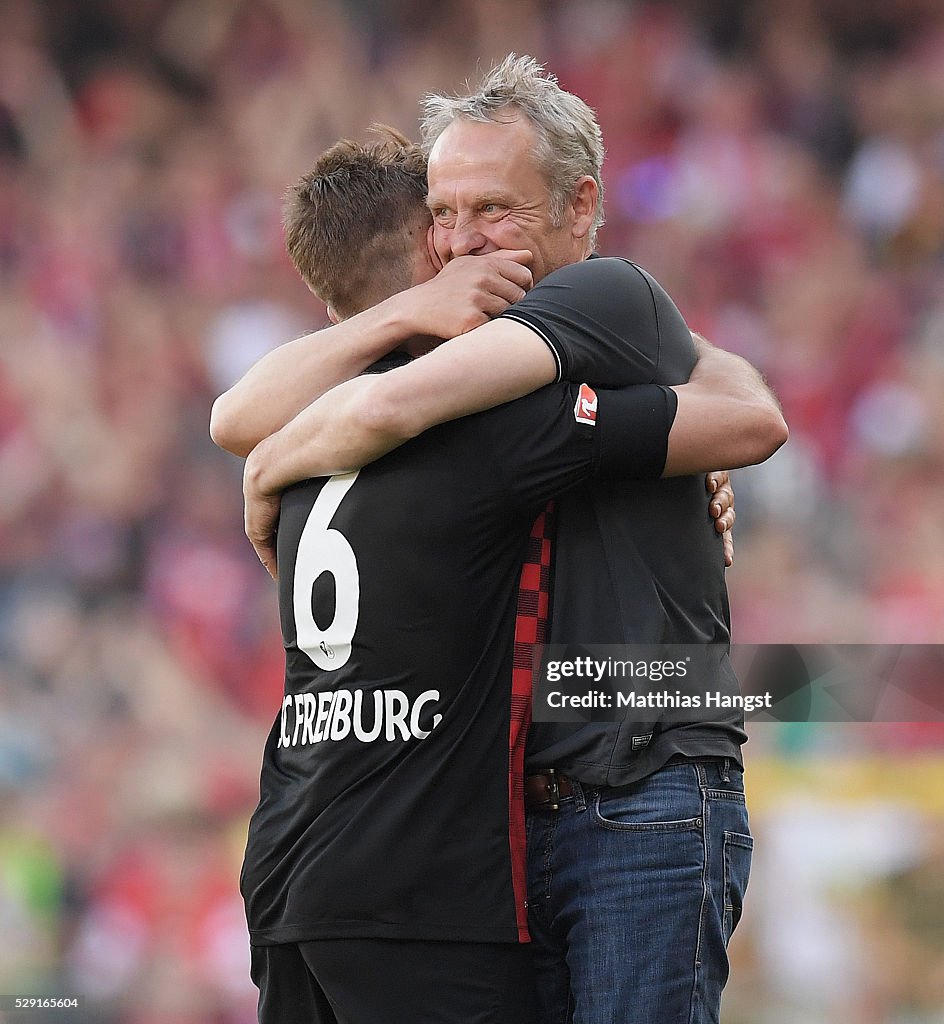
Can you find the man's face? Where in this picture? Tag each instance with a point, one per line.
(486, 192)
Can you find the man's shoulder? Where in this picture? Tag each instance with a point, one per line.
(605, 288)
(608, 321)
(597, 271)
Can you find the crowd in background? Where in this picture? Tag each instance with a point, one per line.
(779, 167)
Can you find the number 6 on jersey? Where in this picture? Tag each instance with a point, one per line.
(321, 550)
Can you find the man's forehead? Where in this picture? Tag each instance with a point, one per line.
(477, 141)
(481, 158)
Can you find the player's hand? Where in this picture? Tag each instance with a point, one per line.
(261, 520)
(468, 292)
(721, 507)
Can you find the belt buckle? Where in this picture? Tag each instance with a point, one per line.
(553, 790)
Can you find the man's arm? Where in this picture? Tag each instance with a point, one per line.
(463, 296)
(726, 416)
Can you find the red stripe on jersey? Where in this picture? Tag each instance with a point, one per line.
(530, 630)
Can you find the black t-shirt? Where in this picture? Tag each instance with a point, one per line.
(384, 805)
(633, 562)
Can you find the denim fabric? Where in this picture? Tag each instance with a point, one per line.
(633, 894)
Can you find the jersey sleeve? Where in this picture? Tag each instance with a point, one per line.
(609, 322)
(632, 432)
(554, 439)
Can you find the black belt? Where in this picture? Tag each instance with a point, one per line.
(545, 790)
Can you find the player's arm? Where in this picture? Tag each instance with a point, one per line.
(576, 320)
(727, 416)
(362, 419)
(352, 425)
(285, 380)
(545, 444)
(463, 296)
(604, 319)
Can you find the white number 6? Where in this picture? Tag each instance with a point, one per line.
(321, 550)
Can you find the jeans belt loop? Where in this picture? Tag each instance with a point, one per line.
(580, 796)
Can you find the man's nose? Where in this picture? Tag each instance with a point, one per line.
(467, 240)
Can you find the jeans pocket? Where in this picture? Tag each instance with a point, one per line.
(738, 849)
(667, 801)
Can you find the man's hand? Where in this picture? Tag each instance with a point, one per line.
(468, 292)
(721, 507)
(261, 518)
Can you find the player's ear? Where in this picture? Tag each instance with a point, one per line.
(584, 203)
(434, 259)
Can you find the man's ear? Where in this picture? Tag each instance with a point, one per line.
(584, 203)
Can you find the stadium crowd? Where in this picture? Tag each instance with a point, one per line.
(779, 167)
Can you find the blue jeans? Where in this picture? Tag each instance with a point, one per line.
(633, 893)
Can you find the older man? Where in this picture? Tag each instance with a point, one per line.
(640, 843)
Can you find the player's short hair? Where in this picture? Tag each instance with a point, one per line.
(570, 143)
(352, 222)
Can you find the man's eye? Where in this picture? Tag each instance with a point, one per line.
(490, 208)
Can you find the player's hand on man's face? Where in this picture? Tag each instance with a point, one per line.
(721, 507)
(470, 291)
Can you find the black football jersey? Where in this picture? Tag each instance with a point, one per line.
(384, 799)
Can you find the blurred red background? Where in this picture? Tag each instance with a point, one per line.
(778, 166)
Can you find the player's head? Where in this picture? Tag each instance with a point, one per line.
(356, 223)
(514, 164)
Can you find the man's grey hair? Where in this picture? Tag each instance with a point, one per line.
(570, 143)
